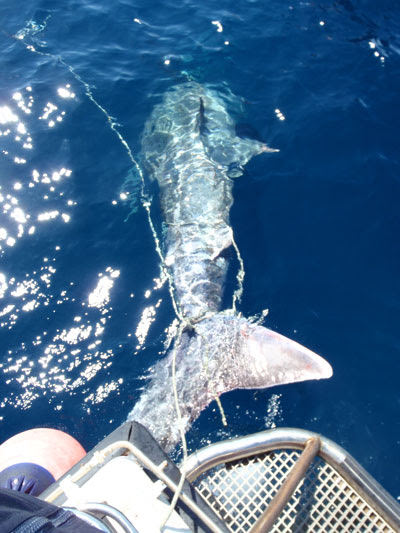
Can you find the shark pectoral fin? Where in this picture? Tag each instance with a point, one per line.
(235, 169)
(246, 148)
(273, 359)
(267, 149)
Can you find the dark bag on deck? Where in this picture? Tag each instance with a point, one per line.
(22, 513)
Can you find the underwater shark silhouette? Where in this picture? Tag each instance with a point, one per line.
(189, 145)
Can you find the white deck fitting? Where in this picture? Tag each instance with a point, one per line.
(123, 484)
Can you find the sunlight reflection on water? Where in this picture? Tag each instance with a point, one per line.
(58, 360)
(21, 207)
(52, 362)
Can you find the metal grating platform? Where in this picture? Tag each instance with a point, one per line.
(324, 501)
(335, 495)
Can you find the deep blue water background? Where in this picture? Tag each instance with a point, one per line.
(317, 224)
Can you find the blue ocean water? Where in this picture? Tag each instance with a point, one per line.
(83, 311)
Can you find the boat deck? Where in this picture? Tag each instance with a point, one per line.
(281, 480)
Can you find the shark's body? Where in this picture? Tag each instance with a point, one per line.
(190, 147)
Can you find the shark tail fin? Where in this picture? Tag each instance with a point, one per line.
(259, 357)
(276, 360)
(219, 354)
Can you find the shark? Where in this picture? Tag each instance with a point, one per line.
(191, 149)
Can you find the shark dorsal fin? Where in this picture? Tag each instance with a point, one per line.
(201, 123)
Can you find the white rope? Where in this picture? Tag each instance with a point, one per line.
(181, 431)
(237, 295)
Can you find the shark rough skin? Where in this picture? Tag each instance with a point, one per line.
(190, 147)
